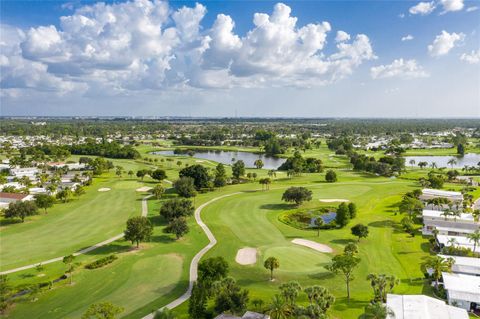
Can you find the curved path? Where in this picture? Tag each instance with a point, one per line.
(83, 251)
(197, 257)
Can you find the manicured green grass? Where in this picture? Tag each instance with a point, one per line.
(144, 280)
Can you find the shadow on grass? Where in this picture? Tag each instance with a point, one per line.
(112, 248)
(281, 206)
(6, 222)
(322, 275)
(165, 239)
(382, 223)
(343, 241)
(342, 304)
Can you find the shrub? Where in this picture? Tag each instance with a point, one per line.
(101, 262)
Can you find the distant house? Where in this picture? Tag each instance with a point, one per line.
(462, 290)
(422, 307)
(450, 225)
(428, 193)
(465, 265)
(247, 315)
(7, 198)
(30, 172)
(70, 166)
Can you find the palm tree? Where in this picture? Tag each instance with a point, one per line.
(412, 162)
(475, 238)
(452, 241)
(279, 308)
(271, 264)
(378, 311)
(452, 162)
(433, 165)
(445, 214)
(439, 265)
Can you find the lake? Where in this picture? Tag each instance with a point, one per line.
(470, 159)
(225, 157)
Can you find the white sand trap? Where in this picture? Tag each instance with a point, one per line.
(144, 189)
(246, 256)
(199, 161)
(314, 245)
(333, 200)
(105, 189)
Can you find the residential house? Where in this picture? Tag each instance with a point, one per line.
(449, 224)
(7, 198)
(465, 265)
(462, 290)
(422, 307)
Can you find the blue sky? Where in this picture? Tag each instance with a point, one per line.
(149, 59)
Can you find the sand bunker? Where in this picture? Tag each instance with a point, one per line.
(313, 245)
(246, 256)
(333, 200)
(144, 189)
(199, 161)
(105, 189)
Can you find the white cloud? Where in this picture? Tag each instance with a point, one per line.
(472, 8)
(400, 68)
(408, 37)
(452, 5)
(146, 45)
(472, 57)
(342, 36)
(444, 42)
(422, 8)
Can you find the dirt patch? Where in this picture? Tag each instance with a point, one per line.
(246, 256)
(334, 200)
(144, 189)
(313, 245)
(105, 189)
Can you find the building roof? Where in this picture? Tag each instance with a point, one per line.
(460, 241)
(457, 230)
(254, 315)
(16, 196)
(467, 265)
(462, 287)
(442, 193)
(422, 307)
(438, 214)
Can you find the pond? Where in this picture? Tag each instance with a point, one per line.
(225, 157)
(327, 218)
(470, 159)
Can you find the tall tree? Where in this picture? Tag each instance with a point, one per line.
(344, 264)
(279, 308)
(238, 169)
(271, 263)
(343, 215)
(331, 176)
(220, 176)
(438, 265)
(360, 230)
(475, 238)
(258, 163)
(21, 210)
(177, 207)
(68, 261)
(382, 285)
(44, 201)
(199, 174)
(177, 226)
(159, 174)
(298, 195)
(185, 187)
(138, 229)
(158, 191)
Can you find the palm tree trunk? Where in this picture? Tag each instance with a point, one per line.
(271, 274)
(348, 290)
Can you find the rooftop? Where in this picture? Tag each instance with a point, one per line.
(422, 307)
(462, 287)
(16, 196)
(439, 214)
(469, 265)
(441, 193)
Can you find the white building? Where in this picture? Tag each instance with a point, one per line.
(422, 307)
(448, 225)
(462, 290)
(459, 241)
(7, 198)
(429, 193)
(30, 172)
(465, 265)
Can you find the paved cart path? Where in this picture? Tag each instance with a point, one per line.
(198, 256)
(83, 251)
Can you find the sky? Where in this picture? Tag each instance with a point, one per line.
(240, 58)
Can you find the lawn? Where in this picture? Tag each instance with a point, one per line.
(149, 278)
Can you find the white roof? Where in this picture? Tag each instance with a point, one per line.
(462, 287)
(438, 214)
(441, 193)
(460, 240)
(422, 307)
(453, 229)
(469, 265)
